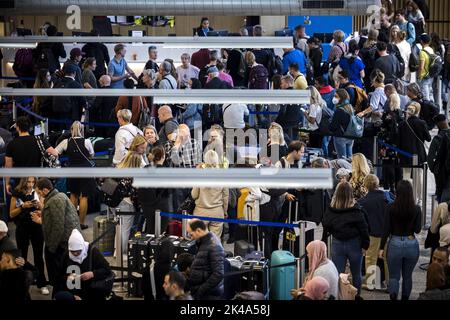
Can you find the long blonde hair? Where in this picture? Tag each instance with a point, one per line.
(131, 160)
(137, 141)
(316, 98)
(77, 129)
(360, 167)
(276, 134)
(343, 196)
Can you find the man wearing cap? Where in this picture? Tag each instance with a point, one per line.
(215, 82)
(69, 107)
(75, 58)
(439, 158)
(423, 76)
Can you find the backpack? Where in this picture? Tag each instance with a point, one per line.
(368, 56)
(275, 65)
(211, 114)
(361, 98)
(355, 127)
(23, 62)
(324, 125)
(44, 58)
(259, 78)
(431, 110)
(145, 118)
(242, 65)
(435, 65)
(61, 104)
(436, 147)
(401, 62)
(414, 59)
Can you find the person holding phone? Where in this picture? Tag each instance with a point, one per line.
(24, 202)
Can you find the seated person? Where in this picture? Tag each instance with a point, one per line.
(14, 284)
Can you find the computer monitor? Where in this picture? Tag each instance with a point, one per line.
(223, 33)
(212, 34)
(21, 32)
(288, 32)
(81, 34)
(280, 33)
(324, 37)
(137, 33)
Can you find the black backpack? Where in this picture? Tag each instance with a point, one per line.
(211, 114)
(61, 104)
(430, 109)
(414, 59)
(436, 64)
(275, 65)
(259, 78)
(44, 58)
(402, 65)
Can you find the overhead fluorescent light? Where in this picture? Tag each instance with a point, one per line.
(167, 42)
(189, 178)
(18, 45)
(180, 96)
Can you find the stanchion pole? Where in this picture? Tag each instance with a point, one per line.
(14, 110)
(302, 250)
(157, 223)
(298, 283)
(329, 242)
(415, 161)
(184, 225)
(424, 195)
(439, 92)
(122, 287)
(433, 205)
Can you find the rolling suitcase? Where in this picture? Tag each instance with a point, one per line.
(242, 248)
(106, 243)
(282, 279)
(180, 244)
(257, 277)
(139, 253)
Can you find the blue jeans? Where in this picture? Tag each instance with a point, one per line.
(350, 250)
(325, 143)
(426, 87)
(343, 147)
(402, 257)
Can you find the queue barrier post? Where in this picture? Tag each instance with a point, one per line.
(14, 110)
(157, 223)
(424, 195)
(119, 252)
(184, 225)
(302, 250)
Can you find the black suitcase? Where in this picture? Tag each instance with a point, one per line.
(242, 248)
(180, 244)
(139, 253)
(257, 278)
(135, 286)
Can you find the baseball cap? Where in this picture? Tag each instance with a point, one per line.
(70, 68)
(3, 226)
(76, 52)
(425, 38)
(213, 70)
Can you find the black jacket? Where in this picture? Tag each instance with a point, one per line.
(289, 115)
(101, 55)
(375, 206)
(412, 133)
(346, 224)
(75, 103)
(207, 270)
(315, 56)
(216, 83)
(57, 50)
(339, 122)
(100, 268)
(14, 286)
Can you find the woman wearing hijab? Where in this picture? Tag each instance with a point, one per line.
(315, 289)
(92, 267)
(321, 266)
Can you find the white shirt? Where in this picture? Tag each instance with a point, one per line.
(329, 272)
(233, 115)
(378, 99)
(184, 75)
(124, 137)
(315, 111)
(62, 146)
(405, 51)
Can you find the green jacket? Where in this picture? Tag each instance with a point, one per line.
(59, 218)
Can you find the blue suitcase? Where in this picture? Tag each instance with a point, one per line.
(282, 279)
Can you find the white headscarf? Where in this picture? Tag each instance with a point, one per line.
(76, 242)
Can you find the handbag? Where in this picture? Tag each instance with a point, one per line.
(432, 240)
(187, 205)
(104, 286)
(91, 163)
(48, 160)
(113, 193)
